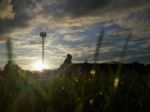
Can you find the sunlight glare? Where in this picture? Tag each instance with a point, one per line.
(39, 66)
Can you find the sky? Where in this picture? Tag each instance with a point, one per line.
(74, 26)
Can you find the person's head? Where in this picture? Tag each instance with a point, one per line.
(69, 56)
(9, 62)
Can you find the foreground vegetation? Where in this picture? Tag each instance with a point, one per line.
(100, 91)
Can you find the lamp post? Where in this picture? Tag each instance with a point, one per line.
(43, 35)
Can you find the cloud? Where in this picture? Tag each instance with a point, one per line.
(6, 9)
(28, 13)
(14, 15)
(81, 13)
(73, 38)
(138, 21)
(80, 8)
(73, 26)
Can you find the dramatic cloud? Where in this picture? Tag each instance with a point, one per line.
(6, 9)
(14, 15)
(78, 8)
(138, 21)
(73, 26)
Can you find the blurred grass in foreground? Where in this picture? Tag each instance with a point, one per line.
(24, 92)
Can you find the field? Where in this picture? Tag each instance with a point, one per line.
(76, 90)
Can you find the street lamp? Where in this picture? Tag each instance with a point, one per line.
(43, 35)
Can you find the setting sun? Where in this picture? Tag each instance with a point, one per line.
(39, 66)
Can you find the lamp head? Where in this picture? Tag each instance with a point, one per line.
(43, 34)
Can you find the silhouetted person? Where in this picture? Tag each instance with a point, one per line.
(7, 67)
(67, 61)
(11, 66)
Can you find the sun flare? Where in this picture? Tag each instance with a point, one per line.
(39, 66)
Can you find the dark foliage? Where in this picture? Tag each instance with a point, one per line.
(77, 89)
